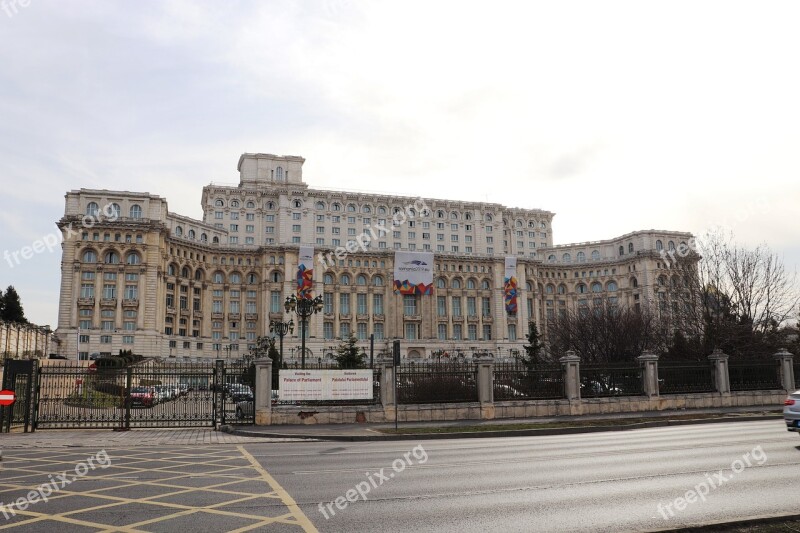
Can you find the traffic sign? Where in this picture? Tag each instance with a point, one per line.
(7, 397)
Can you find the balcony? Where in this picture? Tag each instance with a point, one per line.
(472, 318)
(184, 311)
(362, 317)
(328, 316)
(234, 316)
(86, 302)
(198, 313)
(130, 302)
(171, 310)
(414, 318)
(344, 316)
(487, 318)
(378, 318)
(217, 316)
(108, 302)
(251, 316)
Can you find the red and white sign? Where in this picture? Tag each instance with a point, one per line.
(7, 397)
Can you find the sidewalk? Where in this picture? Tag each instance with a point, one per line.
(582, 424)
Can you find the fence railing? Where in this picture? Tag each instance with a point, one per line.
(515, 381)
(599, 381)
(756, 374)
(685, 377)
(437, 383)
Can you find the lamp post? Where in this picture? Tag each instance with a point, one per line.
(281, 329)
(304, 308)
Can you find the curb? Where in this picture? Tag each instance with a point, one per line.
(499, 433)
(726, 526)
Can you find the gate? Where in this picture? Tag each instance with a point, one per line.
(148, 394)
(18, 376)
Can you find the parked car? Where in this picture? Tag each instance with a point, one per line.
(183, 389)
(508, 391)
(163, 393)
(239, 392)
(144, 396)
(791, 411)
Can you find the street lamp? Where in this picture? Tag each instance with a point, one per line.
(304, 308)
(280, 329)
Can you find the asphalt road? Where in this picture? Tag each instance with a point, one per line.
(592, 482)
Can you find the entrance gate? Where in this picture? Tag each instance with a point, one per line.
(152, 393)
(18, 376)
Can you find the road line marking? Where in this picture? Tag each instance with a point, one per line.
(302, 520)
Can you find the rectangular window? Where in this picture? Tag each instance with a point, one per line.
(361, 303)
(320, 229)
(251, 308)
(295, 216)
(87, 290)
(441, 332)
(233, 240)
(512, 332)
(269, 229)
(361, 331)
(487, 332)
(234, 227)
(131, 292)
(457, 332)
(249, 228)
(328, 303)
(327, 330)
(344, 330)
(472, 309)
(411, 331)
(377, 330)
(377, 304)
(235, 307)
(275, 302)
(127, 339)
(105, 339)
(344, 304)
(296, 228)
(456, 301)
(441, 305)
(472, 332)
(110, 276)
(109, 291)
(409, 304)
(129, 326)
(85, 324)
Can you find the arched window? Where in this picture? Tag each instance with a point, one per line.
(595, 255)
(198, 275)
(219, 203)
(219, 277)
(344, 280)
(456, 284)
(581, 257)
(634, 283)
(550, 289)
(89, 256)
(171, 270)
(659, 245)
(453, 216)
(336, 206)
(377, 281)
(135, 211)
(203, 237)
(581, 288)
(562, 289)
(471, 283)
(91, 209)
(440, 214)
(133, 259)
(518, 223)
(252, 279)
(178, 231)
(185, 272)
(215, 240)
(235, 278)
(366, 209)
(250, 204)
(111, 258)
(441, 283)
(319, 206)
(113, 211)
(630, 247)
(298, 204)
(361, 279)
(485, 285)
(662, 280)
(529, 286)
(621, 250)
(279, 174)
(270, 205)
(566, 258)
(234, 203)
(596, 287)
(612, 286)
(467, 216)
(381, 210)
(351, 208)
(670, 245)
(532, 224)
(543, 225)
(191, 234)
(488, 217)
(551, 258)
(327, 279)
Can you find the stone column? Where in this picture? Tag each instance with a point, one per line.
(485, 368)
(786, 361)
(649, 362)
(721, 377)
(386, 365)
(572, 375)
(263, 399)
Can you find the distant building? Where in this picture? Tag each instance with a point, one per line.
(136, 276)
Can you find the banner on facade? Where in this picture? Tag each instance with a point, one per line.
(413, 273)
(510, 289)
(297, 385)
(305, 272)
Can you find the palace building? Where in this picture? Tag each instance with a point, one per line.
(135, 276)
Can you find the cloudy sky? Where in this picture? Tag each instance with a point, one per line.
(616, 116)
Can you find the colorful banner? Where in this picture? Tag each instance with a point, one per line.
(296, 385)
(305, 272)
(510, 289)
(413, 273)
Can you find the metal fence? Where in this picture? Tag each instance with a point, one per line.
(598, 381)
(754, 374)
(685, 377)
(437, 383)
(516, 381)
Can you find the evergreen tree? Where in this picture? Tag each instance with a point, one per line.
(2, 304)
(348, 355)
(534, 347)
(12, 307)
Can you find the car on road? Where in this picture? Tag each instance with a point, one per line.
(791, 412)
(239, 392)
(143, 396)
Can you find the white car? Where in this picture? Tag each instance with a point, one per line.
(791, 411)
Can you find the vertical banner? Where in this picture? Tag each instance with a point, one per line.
(510, 289)
(305, 272)
(413, 273)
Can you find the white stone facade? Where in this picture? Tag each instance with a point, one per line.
(161, 284)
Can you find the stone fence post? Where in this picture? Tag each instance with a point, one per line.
(786, 361)
(386, 365)
(485, 369)
(263, 399)
(649, 362)
(572, 375)
(721, 376)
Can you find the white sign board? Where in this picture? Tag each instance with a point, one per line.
(298, 385)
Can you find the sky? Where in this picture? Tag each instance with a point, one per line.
(616, 116)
